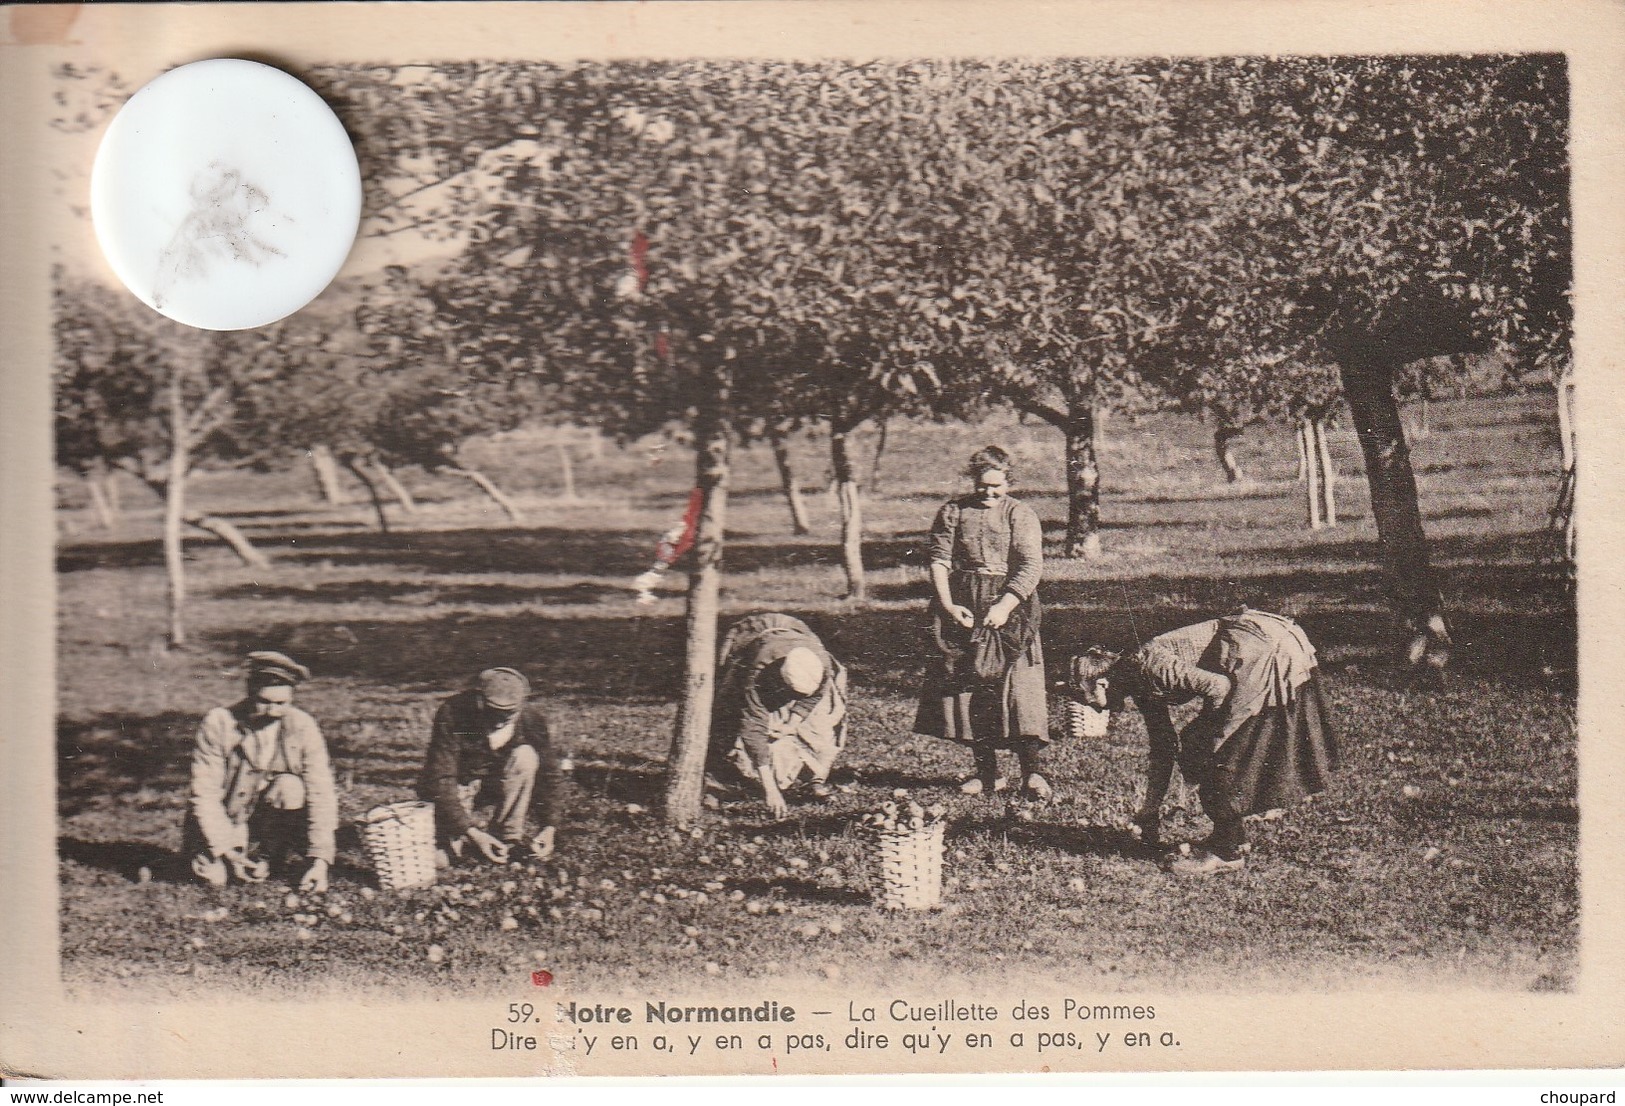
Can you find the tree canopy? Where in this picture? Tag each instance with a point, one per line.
(841, 240)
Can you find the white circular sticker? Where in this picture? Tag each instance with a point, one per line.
(226, 194)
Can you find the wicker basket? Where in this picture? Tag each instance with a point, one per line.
(910, 863)
(400, 841)
(1083, 720)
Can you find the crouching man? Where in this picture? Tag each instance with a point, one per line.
(490, 751)
(262, 785)
(780, 710)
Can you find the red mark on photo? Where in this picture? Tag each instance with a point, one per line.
(667, 550)
(542, 978)
(640, 259)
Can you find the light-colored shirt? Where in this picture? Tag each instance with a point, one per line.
(502, 734)
(263, 747)
(232, 763)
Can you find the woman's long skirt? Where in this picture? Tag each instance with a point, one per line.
(1283, 754)
(956, 706)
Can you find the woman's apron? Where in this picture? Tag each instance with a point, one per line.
(958, 705)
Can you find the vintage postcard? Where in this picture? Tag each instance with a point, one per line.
(815, 538)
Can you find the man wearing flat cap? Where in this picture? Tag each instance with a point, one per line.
(780, 709)
(490, 748)
(262, 784)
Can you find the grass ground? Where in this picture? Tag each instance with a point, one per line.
(1445, 855)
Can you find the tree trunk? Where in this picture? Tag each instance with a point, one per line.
(326, 470)
(1311, 489)
(1368, 384)
(486, 485)
(567, 471)
(1082, 485)
(850, 500)
(1302, 441)
(1565, 418)
(686, 782)
(1224, 443)
(101, 502)
(175, 510)
(1328, 474)
(787, 481)
(355, 467)
(232, 536)
(880, 451)
(387, 476)
(1416, 425)
(213, 525)
(1563, 512)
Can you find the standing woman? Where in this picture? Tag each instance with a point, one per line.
(985, 686)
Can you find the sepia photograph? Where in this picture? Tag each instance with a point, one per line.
(903, 554)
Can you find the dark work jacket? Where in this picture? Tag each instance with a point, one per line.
(460, 753)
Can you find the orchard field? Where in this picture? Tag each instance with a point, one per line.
(1445, 856)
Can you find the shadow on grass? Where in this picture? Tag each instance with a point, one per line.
(135, 554)
(622, 779)
(1450, 465)
(1509, 616)
(813, 552)
(1495, 803)
(481, 551)
(623, 659)
(270, 530)
(1258, 490)
(632, 660)
(338, 514)
(1072, 840)
(619, 659)
(538, 550)
(122, 756)
(639, 658)
(803, 889)
(116, 755)
(889, 780)
(1512, 620)
(397, 769)
(807, 819)
(477, 551)
(127, 859)
(1082, 840)
(367, 591)
(1461, 512)
(1520, 551)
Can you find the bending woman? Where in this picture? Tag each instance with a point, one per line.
(1261, 741)
(985, 686)
(780, 709)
